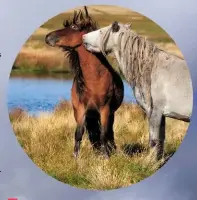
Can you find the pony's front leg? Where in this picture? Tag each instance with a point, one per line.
(78, 137)
(157, 133)
(104, 130)
(80, 118)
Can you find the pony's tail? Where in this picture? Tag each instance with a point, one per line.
(93, 127)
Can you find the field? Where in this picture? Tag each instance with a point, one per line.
(37, 57)
(49, 141)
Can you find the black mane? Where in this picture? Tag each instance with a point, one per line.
(83, 23)
(74, 62)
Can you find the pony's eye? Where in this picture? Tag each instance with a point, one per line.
(74, 27)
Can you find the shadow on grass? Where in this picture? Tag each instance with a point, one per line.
(167, 157)
(131, 149)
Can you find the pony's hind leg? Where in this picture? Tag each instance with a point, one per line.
(157, 133)
(104, 130)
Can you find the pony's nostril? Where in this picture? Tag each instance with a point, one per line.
(85, 44)
(84, 38)
(56, 39)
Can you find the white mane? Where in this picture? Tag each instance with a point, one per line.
(137, 54)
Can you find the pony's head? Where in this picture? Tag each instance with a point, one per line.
(70, 36)
(105, 39)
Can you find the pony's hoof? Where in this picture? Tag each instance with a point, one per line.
(106, 156)
(75, 155)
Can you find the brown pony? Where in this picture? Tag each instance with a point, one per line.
(97, 90)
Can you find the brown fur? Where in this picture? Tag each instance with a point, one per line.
(97, 90)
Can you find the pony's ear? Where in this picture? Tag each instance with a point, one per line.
(115, 27)
(66, 23)
(128, 26)
(86, 11)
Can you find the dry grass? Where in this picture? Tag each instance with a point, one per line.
(42, 59)
(36, 55)
(49, 138)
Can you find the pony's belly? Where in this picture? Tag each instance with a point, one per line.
(174, 88)
(179, 109)
(178, 100)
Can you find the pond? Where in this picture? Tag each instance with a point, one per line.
(42, 94)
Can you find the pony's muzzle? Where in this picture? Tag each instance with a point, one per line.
(83, 37)
(84, 41)
(51, 39)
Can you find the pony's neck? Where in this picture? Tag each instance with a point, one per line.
(118, 55)
(122, 67)
(90, 64)
(117, 50)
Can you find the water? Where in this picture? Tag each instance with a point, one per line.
(42, 94)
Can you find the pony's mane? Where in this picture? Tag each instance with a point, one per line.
(137, 53)
(85, 22)
(74, 63)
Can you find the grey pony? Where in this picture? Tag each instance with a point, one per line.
(161, 81)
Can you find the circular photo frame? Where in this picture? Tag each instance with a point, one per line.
(140, 140)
